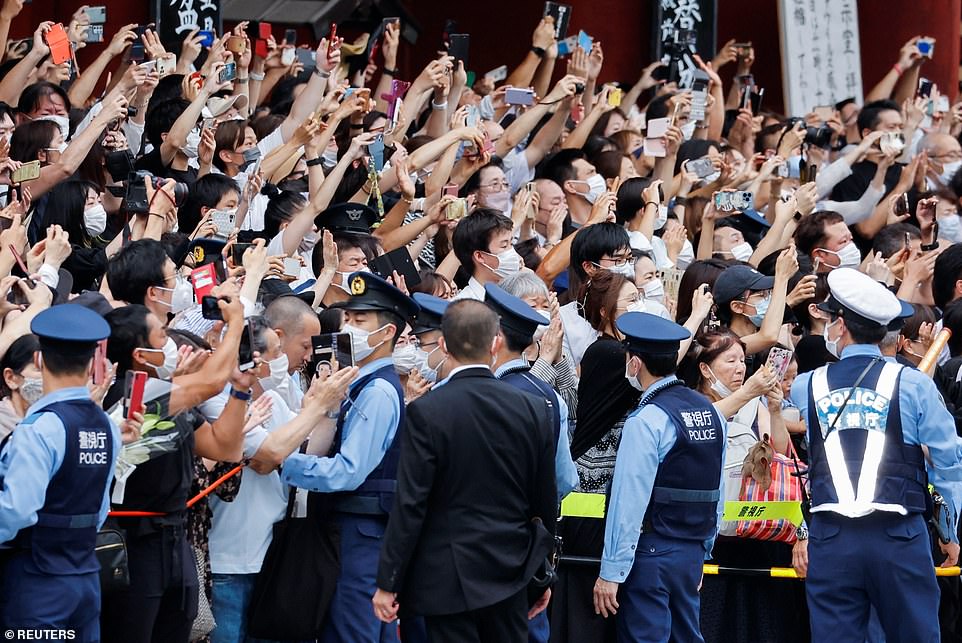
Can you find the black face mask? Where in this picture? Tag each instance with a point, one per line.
(294, 185)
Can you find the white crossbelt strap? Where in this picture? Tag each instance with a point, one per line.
(871, 409)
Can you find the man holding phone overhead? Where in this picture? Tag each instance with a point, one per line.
(60, 462)
(361, 473)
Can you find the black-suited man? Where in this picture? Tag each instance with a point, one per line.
(460, 547)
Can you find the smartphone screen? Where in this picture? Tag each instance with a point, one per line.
(245, 353)
(100, 355)
(210, 310)
(134, 389)
(290, 37)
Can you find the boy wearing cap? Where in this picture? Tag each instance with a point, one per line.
(870, 417)
(666, 500)
(55, 475)
(361, 471)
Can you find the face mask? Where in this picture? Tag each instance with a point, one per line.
(182, 296)
(637, 306)
(166, 370)
(655, 290)
(711, 178)
(760, 309)
(688, 130)
(509, 263)
(61, 148)
(948, 171)
(308, 242)
(95, 220)
(500, 201)
(428, 373)
(329, 157)
(250, 157)
(278, 376)
(830, 345)
(662, 217)
(718, 386)
(192, 143)
(742, 252)
(405, 359)
(63, 122)
(31, 390)
(359, 338)
(626, 270)
(596, 187)
(848, 257)
(633, 380)
(542, 329)
(950, 228)
(294, 185)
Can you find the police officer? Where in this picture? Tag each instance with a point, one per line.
(55, 474)
(426, 328)
(868, 420)
(362, 466)
(666, 487)
(518, 324)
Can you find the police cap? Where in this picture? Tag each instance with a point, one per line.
(430, 311)
(69, 328)
(855, 295)
(355, 218)
(515, 314)
(650, 334)
(370, 292)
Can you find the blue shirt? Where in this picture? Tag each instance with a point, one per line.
(32, 457)
(565, 471)
(648, 436)
(369, 428)
(925, 421)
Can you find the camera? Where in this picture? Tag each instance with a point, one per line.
(135, 192)
(820, 136)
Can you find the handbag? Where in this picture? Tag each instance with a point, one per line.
(111, 552)
(294, 588)
(204, 621)
(784, 487)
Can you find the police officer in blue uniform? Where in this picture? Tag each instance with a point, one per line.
(518, 324)
(868, 420)
(360, 466)
(55, 474)
(426, 328)
(666, 500)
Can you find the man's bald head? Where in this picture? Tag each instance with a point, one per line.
(469, 328)
(288, 314)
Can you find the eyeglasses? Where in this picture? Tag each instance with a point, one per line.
(497, 186)
(617, 262)
(417, 342)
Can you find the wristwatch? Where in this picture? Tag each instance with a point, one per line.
(801, 532)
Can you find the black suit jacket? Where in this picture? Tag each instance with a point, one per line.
(477, 464)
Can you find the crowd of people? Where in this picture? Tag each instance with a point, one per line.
(294, 349)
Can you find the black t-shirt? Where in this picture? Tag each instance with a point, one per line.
(852, 188)
(153, 163)
(810, 353)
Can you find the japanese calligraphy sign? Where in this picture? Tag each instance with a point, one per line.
(671, 16)
(821, 61)
(175, 18)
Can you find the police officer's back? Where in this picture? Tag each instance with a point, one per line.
(56, 470)
(868, 419)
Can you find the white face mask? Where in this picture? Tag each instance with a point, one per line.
(428, 373)
(711, 178)
(405, 358)
(662, 217)
(718, 386)
(542, 329)
(509, 262)
(31, 390)
(192, 143)
(95, 220)
(849, 256)
(688, 130)
(596, 187)
(500, 201)
(655, 290)
(626, 270)
(166, 370)
(359, 337)
(742, 252)
(63, 123)
(279, 376)
(950, 228)
(182, 296)
(329, 158)
(948, 171)
(830, 345)
(633, 380)
(637, 306)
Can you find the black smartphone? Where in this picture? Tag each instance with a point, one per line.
(327, 347)
(398, 260)
(210, 310)
(245, 354)
(237, 253)
(561, 14)
(902, 204)
(925, 87)
(812, 173)
(755, 100)
(459, 47)
(290, 37)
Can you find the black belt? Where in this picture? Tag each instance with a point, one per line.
(362, 505)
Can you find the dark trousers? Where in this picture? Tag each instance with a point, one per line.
(504, 622)
(161, 603)
(883, 561)
(659, 600)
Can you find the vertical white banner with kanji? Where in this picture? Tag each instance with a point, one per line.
(821, 61)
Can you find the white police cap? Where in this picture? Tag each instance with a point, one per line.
(856, 295)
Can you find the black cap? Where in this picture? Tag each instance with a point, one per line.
(370, 292)
(430, 311)
(516, 315)
(355, 218)
(735, 280)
